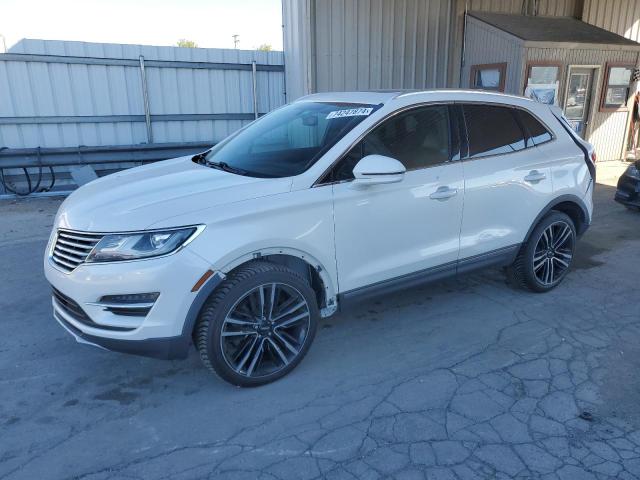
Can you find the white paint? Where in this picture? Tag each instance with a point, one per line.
(356, 236)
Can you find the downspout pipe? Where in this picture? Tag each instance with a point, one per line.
(464, 42)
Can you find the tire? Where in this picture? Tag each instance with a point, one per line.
(552, 263)
(247, 338)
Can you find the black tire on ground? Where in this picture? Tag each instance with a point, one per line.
(228, 297)
(523, 274)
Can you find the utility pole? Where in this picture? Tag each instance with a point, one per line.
(236, 40)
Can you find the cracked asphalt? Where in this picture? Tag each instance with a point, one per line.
(464, 379)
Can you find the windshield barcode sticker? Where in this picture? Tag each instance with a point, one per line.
(352, 112)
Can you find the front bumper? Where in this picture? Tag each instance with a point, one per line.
(168, 348)
(628, 191)
(164, 332)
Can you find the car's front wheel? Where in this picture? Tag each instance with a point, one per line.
(544, 260)
(257, 325)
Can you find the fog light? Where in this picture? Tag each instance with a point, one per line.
(129, 305)
(131, 298)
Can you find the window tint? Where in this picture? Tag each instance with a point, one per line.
(344, 169)
(537, 133)
(492, 130)
(418, 138)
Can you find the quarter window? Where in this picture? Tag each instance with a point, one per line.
(536, 132)
(492, 130)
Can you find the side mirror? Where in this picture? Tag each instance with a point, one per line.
(378, 169)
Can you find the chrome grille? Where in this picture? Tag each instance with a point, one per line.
(72, 248)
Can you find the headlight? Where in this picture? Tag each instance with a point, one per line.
(633, 172)
(134, 246)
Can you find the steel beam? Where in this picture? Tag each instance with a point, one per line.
(127, 62)
(55, 157)
(176, 117)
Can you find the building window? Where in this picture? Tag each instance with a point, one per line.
(542, 83)
(489, 77)
(617, 83)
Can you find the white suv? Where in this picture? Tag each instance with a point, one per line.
(336, 197)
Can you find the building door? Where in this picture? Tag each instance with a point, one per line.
(577, 100)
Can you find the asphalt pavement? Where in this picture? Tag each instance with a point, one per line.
(461, 379)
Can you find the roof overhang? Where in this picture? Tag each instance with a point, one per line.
(554, 32)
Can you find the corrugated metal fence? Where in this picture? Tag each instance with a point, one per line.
(56, 96)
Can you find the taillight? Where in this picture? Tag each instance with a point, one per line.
(593, 156)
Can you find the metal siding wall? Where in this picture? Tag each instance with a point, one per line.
(297, 39)
(545, 7)
(372, 44)
(618, 16)
(366, 44)
(557, 8)
(485, 44)
(497, 6)
(606, 131)
(58, 89)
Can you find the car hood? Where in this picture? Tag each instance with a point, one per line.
(136, 198)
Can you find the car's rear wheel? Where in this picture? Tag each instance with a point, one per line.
(545, 259)
(257, 325)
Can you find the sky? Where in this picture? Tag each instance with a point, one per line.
(210, 23)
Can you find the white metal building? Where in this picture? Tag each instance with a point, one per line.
(418, 44)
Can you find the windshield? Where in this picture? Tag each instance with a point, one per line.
(289, 140)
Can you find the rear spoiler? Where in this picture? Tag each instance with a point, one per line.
(586, 147)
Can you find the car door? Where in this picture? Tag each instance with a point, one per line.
(387, 231)
(507, 182)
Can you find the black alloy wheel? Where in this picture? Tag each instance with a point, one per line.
(258, 324)
(545, 258)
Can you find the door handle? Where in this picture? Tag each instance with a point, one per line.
(535, 176)
(442, 193)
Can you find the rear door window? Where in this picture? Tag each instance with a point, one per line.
(492, 130)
